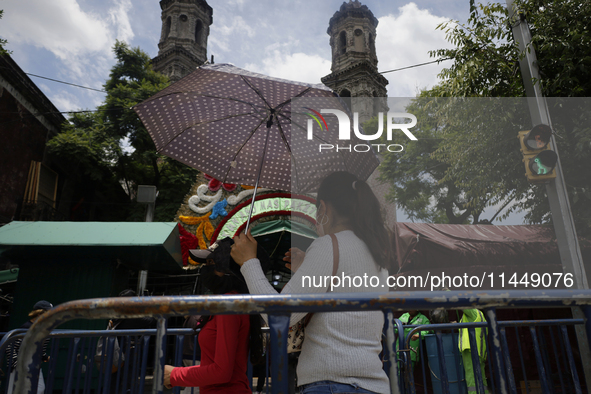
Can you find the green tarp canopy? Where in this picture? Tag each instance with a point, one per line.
(140, 245)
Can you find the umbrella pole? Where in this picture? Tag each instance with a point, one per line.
(256, 185)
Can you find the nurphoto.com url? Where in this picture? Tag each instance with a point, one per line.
(439, 281)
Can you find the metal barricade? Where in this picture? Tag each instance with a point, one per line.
(279, 308)
(82, 375)
(81, 371)
(551, 350)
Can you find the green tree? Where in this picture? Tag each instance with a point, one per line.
(483, 162)
(111, 146)
(416, 177)
(3, 42)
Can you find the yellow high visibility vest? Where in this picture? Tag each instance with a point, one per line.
(473, 316)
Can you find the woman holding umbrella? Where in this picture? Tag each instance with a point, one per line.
(336, 344)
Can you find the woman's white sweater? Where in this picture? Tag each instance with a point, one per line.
(340, 346)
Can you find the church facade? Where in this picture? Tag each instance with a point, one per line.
(183, 40)
(354, 71)
(352, 31)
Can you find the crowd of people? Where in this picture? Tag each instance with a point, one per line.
(341, 351)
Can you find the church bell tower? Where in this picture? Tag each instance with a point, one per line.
(354, 71)
(183, 41)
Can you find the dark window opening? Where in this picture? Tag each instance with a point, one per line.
(342, 42)
(198, 31)
(167, 27)
(346, 97)
(372, 44)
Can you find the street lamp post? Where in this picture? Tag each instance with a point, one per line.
(146, 194)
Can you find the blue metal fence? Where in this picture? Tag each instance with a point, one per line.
(557, 370)
(555, 362)
(81, 371)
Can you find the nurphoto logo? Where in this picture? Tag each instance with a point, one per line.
(345, 130)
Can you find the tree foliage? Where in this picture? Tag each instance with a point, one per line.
(416, 177)
(3, 41)
(110, 145)
(465, 161)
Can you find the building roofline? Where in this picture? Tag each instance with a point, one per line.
(20, 81)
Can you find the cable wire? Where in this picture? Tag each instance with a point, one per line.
(104, 91)
(415, 65)
(57, 80)
(67, 83)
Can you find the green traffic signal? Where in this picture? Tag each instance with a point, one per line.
(538, 156)
(543, 163)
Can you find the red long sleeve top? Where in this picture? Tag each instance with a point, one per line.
(224, 356)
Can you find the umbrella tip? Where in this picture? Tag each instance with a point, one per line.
(270, 121)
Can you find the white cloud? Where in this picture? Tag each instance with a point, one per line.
(279, 62)
(59, 26)
(404, 40)
(120, 19)
(226, 31)
(81, 41)
(43, 87)
(65, 101)
(215, 44)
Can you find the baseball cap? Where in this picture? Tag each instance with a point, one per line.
(45, 305)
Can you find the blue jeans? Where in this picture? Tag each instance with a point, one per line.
(330, 387)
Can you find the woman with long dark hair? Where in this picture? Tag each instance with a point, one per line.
(341, 350)
(225, 340)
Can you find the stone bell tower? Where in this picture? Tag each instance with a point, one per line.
(183, 41)
(354, 71)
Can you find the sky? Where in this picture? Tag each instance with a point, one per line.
(72, 41)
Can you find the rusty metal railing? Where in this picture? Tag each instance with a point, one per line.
(279, 308)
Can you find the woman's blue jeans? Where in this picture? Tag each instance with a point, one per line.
(330, 387)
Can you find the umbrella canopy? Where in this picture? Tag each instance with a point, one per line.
(237, 126)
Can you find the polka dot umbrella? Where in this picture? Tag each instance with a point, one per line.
(240, 127)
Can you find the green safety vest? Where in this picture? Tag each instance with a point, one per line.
(418, 320)
(473, 316)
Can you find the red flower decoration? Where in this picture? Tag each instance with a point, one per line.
(214, 185)
(188, 241)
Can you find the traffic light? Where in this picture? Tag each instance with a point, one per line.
(538, 157)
